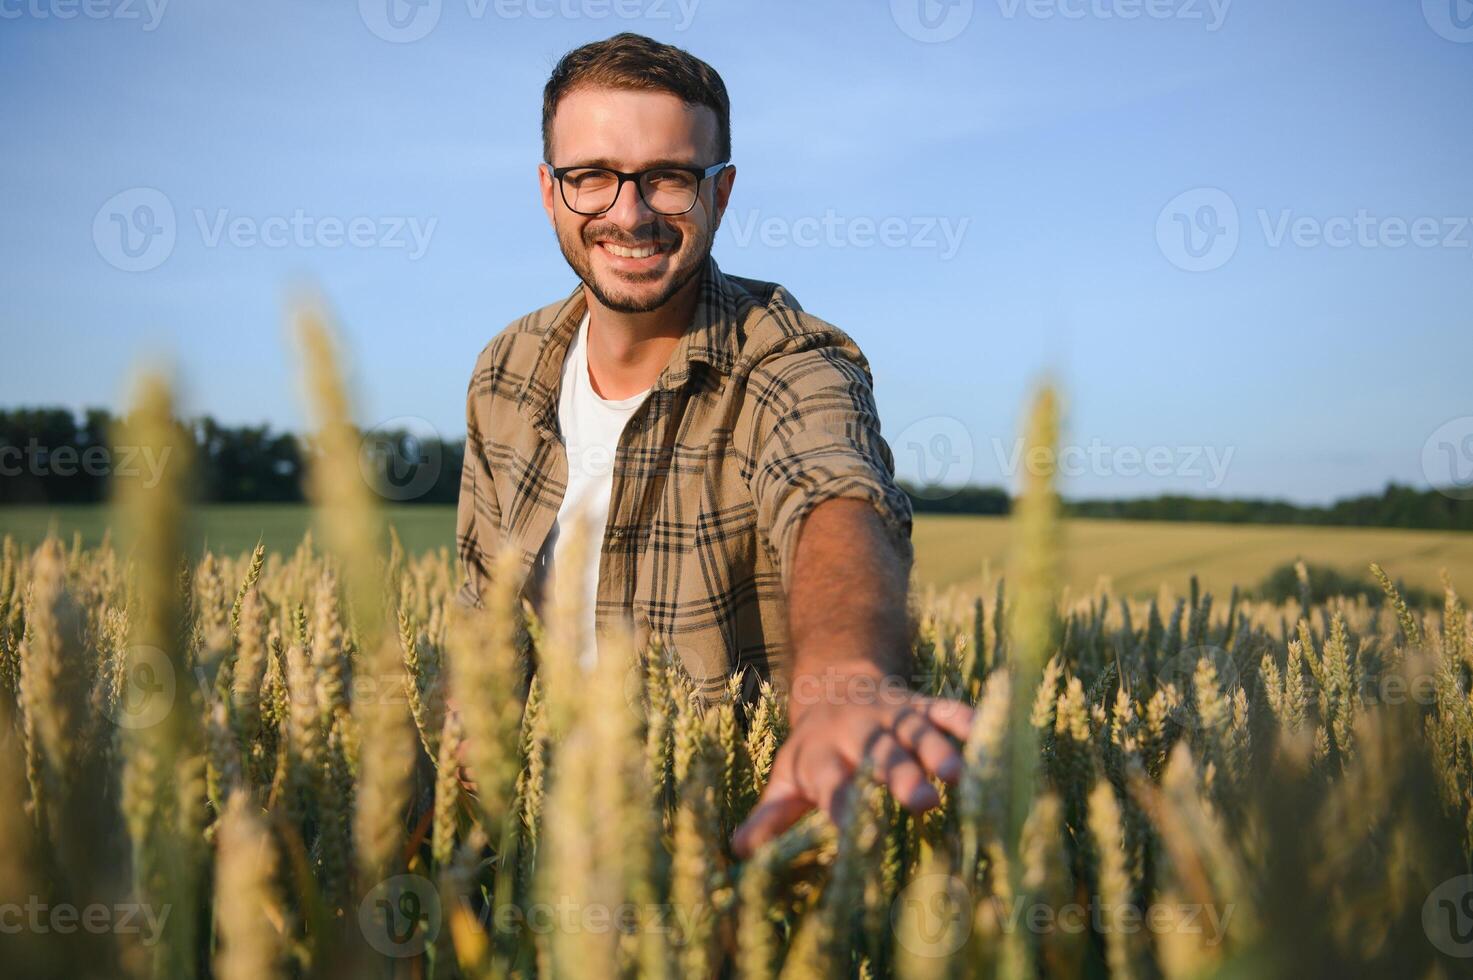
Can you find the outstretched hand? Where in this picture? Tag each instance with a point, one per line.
(906, 736)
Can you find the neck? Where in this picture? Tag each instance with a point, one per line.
(627, 351)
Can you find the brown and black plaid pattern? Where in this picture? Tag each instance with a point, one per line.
(762, 412)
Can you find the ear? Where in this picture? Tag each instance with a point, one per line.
(549, 190)
(724, 181)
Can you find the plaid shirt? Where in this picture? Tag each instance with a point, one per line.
(762, 412)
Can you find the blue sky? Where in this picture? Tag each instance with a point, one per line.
(990, 192)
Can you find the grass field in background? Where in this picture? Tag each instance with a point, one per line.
(1137, 556)
(231, 528)
(950, 550)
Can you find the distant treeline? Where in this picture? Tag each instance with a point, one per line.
(50, 456)
(1396, 506)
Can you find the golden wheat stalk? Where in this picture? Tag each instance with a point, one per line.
(249, 917)
(163, 771)
(381, 723)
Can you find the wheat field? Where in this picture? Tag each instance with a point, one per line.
(246, 766)
(1132, 558)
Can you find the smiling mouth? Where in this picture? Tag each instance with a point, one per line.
(633, 252)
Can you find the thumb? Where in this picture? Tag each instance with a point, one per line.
(781, 805)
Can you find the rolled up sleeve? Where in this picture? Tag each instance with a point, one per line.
(818, 437)
(478, 512)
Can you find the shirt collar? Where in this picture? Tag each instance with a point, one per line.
(709, 339)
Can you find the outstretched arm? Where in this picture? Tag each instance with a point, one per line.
(849, 634)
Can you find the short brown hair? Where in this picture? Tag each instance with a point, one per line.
(633, 61)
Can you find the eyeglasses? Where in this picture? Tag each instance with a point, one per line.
(664, 190)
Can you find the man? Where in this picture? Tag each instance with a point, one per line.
(721, 443)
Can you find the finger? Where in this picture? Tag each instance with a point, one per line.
(927, 743)
(781, 805)
(952, 717)
(898, 769)
(822, 776)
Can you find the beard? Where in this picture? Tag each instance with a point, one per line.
(577, 247)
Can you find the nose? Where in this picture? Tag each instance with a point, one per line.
(628, 210)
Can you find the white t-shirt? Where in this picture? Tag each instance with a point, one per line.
(591, 426)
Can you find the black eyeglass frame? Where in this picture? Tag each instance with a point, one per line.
(700, 174)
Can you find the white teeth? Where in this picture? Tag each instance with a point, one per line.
(630, 253)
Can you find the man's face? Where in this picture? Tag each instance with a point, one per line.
(629, 131)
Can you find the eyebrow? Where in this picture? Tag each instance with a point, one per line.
(608, 164)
